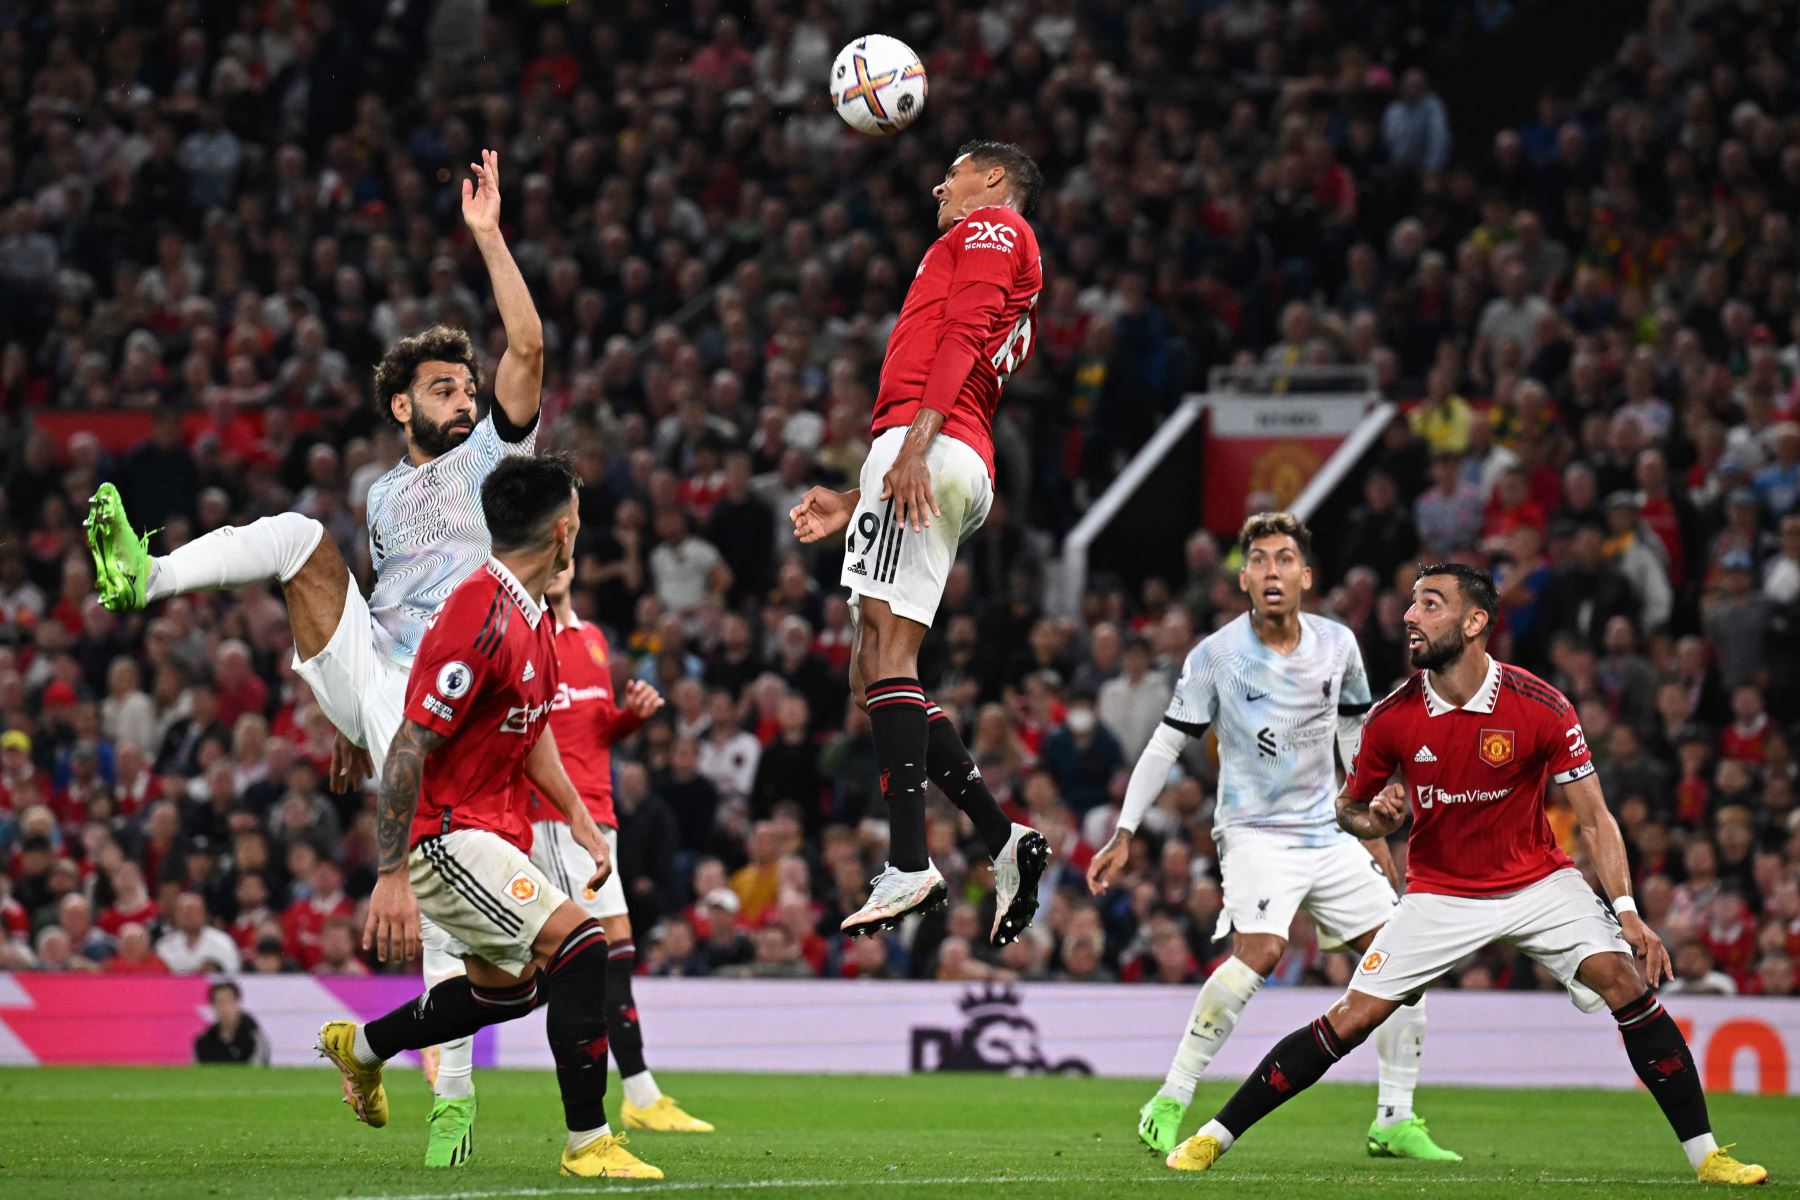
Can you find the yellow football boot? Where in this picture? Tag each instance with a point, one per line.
(1720, 1167)
(1198, 1153)
(662, 1116)
(362, 1085)
(607, 1158)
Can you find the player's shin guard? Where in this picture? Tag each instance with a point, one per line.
(1661, 1058)
(897, 715)
(1298, 1061)
(1399, 1044)
(575, 981)
(453, 1009)
(953, 769)
(1215, 1015)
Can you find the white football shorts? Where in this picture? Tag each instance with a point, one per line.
(909, 569)
(1267, 880)
(360, 689)
(483, 897)
(1558, 921)
(556, 853)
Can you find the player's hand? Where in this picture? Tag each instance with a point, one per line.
(392, 930)
(821, 513)
(1387, 811)
(350, 765)
(908, 484)
(481, 195)
(1107, 864)
(596, 846)
(642, 700)
(1649, 947)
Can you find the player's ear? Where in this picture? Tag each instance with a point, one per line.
(400, 404)
(996, 175)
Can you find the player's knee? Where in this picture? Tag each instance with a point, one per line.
(1614, 976)
(1261, 952)
(1356, 1016)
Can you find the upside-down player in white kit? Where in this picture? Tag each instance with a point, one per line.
(1281, 689)
(426, 534)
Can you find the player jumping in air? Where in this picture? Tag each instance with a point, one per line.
(586, 723)
(965, 327)
(452, 830)
(1280, 688)
(426, 533)
(1474, 740)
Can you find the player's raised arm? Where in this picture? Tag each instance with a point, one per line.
(518, 384)
(392, 927)
(544, 767)
(1606, 847)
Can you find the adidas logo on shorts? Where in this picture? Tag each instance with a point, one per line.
(1424, 755)
(857, 568)
(529, 675)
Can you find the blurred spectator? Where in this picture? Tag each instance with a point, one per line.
(192, 945)
(234, 1036)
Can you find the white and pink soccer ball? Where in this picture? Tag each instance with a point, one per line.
(878, 85)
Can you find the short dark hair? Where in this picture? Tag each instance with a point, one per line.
(1022, 173)
(1276, 524)
(1476, 585)
(224, 985)
(438, 343)
(523, 495)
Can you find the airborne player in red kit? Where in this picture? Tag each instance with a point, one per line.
(966, 326)
(1476, 742)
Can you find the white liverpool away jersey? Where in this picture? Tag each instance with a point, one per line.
(426, 534)
(1276, 719)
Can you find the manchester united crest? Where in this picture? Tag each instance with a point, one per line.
(1496, 747)
(597, 653)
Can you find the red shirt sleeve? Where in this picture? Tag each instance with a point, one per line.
(1569, 756)
(989, 248)
(447, 675)
(1375, 756)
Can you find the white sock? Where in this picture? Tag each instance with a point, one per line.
(581, 1137)
(1697, 1148)
(1214, 1129)
(455, 1073)
(233, 556)
(364, 1055)
(641, 1090)
(1215, 1014)
(1399, 1043)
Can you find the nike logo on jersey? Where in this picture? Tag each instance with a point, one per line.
(1253, 697)
(529, 675)
(1424, 755)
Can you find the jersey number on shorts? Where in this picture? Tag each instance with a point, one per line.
(868, 526)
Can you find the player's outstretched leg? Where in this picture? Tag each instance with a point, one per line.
(1397, 1131)
(645, 1105)
(575, 980)
(1020, 853)
(454, 1008)
(1298, 1061)
(1216, 1010)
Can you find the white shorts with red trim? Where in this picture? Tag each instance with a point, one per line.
(1559, 921)
(906, 568)
(482, 896)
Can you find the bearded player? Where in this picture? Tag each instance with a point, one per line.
(452, 832)
(1281, 689)
(426, 534)
(586, 723)
(1473, 741)
(966, 326)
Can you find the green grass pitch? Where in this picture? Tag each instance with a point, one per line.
(228, 1132)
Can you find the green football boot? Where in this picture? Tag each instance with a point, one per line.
(452, 1133)
(1408, 1139)
(121, 557)
(1159, 1121)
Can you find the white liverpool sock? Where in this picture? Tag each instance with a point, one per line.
(365, 1055)
(581, 1137)
(1697, 1148)
(455, 1073)
(1399, 1044)
(641, 1090)
(233, 556)
(1216, 1130)
(1215, 1014)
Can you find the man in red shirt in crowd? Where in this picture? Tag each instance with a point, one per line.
(453, 835)
(303, 924)
(1474, 740)
(586, 723)
(967, 324)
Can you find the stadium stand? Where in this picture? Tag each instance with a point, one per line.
(214, 216)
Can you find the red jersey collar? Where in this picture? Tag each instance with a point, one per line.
(1483, 701)
(532, 610)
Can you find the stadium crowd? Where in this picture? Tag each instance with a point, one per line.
(221, 213)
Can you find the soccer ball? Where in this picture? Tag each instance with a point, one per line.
(878, 85)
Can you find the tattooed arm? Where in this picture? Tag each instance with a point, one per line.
(393, 924)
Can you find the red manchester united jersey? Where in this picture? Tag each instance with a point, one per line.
(1476, 778)
(586, 722)
(484, 677)
(967, 324)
